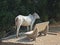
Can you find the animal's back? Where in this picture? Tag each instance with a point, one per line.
(26, 20)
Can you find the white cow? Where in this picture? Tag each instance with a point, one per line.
(29, 20)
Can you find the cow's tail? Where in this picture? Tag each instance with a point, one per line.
(16, 21)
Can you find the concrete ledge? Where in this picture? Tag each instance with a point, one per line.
(10, 43)
(12, 40)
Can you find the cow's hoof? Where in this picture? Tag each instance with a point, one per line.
(16, 36)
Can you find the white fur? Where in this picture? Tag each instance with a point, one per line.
(25, 21)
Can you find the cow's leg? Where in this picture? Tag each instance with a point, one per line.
(27, 28)
(31, 26)
(18, 27)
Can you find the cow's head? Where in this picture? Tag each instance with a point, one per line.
(36, 15)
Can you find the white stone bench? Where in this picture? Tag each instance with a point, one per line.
(40, 27)
(43, 27)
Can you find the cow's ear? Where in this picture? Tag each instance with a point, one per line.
(29, 14)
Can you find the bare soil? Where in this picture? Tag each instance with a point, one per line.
(52, 38)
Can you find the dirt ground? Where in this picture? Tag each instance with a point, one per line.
(52, 38)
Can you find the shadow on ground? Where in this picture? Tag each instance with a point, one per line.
(54, 29)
